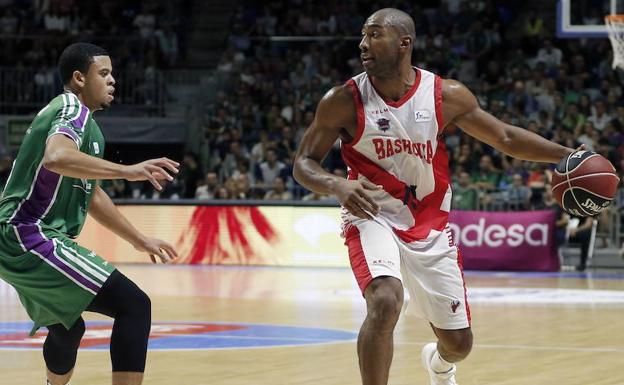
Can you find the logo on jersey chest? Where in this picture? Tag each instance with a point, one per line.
(383, 124)
(385, 148)
(422, 116)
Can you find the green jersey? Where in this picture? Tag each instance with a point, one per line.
(41, 210)
(35, 195)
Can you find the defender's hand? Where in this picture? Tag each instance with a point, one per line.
(152, 170)
(157, 247)
(353, 195)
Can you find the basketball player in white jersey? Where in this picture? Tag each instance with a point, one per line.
(391, 120)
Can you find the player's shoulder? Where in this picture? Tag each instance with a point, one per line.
(337, 105)
(456, 95)
(339, 94)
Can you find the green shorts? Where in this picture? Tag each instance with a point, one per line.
(55, 278)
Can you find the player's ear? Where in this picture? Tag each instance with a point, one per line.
(406, 41)
(79, 78)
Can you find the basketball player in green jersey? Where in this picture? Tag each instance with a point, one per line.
(52, 187)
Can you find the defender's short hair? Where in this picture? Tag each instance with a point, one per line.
(78, 57)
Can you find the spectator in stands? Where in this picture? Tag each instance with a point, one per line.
(486, 177)
(550, 55)
(465, 196)
(236, 155)
(271, 168)
(579, 231)
(587, 136)
(516, 166)
(518, 196)
(278, 192)
(222, 193)
(209, 188)
(190, 175)
(561, 218)
(145, 22)
(243, 188)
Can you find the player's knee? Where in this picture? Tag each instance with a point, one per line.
(143, 303)
(68, 338)
(77, 331)
(458, 342)
(138, 303)
(384, 301)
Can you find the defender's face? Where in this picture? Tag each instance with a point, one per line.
(379, 47)
(99, 83)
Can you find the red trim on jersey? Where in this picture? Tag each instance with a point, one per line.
(460, 263)
(359, 108)
(428, 215)
(405, 97)
(437, 94)
(360, 164)
(357, 258)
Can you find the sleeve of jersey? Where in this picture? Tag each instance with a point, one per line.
(68, 122)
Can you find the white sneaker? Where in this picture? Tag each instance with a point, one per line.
(447, 378)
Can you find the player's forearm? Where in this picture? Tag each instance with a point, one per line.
(309, 173)
(104, 211)
(75, 164)
(526, 145)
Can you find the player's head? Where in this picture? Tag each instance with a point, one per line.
(86, 69)
(387, 41)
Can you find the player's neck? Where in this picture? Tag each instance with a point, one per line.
(393, 87)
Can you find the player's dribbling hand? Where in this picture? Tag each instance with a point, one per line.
(153, 170)
(353, 195)
(157, 248)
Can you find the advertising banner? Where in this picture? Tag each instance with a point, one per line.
(241, 235)
(519, 240)
(310, 236)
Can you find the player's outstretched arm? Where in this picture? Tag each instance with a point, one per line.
(335, 112)
(461, 108)
(62, 157)
(103, 210)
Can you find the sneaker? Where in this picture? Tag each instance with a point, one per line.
(447, 378)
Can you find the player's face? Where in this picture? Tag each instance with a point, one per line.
(379, 48)
(99, 83)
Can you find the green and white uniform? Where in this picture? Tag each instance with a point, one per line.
(41, 211)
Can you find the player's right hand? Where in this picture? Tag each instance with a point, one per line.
(152, 170)
(353, 196)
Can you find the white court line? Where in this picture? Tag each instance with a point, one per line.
(531, 347)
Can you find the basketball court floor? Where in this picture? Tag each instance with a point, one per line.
(260, 325)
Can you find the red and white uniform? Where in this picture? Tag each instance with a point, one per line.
(398, 145)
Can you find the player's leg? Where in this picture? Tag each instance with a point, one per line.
(584, 238)
(121, 299)
(375, 260)
(433, 276)
(60, 350)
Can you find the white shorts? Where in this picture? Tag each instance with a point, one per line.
(431, 270)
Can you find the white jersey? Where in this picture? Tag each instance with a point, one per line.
(398, 145)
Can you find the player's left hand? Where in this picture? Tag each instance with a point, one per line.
(157, 248)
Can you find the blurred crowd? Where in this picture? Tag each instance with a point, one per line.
(268, 87)
(141, 36)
